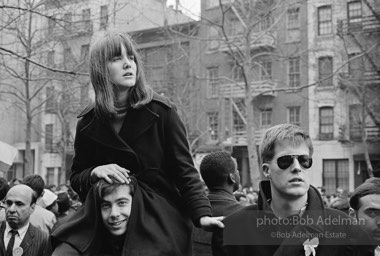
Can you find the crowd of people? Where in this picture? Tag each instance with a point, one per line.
(141, 194)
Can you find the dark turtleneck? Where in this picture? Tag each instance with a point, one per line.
(121, 112)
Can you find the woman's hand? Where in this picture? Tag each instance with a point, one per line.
(211, 223)
(111, 170)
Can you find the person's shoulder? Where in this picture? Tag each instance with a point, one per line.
(162, 101)
(37, 232)
(243, 213)
(87, 111)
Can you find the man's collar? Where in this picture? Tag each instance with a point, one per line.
(21, 231)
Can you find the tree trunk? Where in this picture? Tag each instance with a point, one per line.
(254, 171)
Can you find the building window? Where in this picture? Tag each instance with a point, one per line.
(236, 27)
(213, 42)
(86, 18)
(354, 10)
(51, 58)
(326, 123)
(49, 137)
(265, 22)
(237, 73)
(238, 124)
(213, 125)
(84, 52)
(50, 176)
(294, 72)
(67, 58)
(335, 174)
(265, 69)
(324, 20)
(68, 18)
(294, 18)
(266, 118)
(294, 115)
(51, 104)
(325, 68)
(103, 16)
(355, 118)
(51, 25)
(212, 82)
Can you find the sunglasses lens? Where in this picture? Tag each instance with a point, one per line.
(305, 161)
(285, 161)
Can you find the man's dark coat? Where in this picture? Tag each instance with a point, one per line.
(154, 228)
(35, 242)
(255, 230)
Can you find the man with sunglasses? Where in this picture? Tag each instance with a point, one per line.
(290, 217)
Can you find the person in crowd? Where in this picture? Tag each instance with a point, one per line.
(4, 187)
(341, 201)
(365, 203)
(40, 217)
(52, 188)
(109, 206)
(64, 205)
(49, 199)
(17, 235)
(290, 217)
(75, 202)
(15, 181)
(132, 131)
(221, 175)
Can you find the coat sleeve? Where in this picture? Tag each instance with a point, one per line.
(83, 163)
(185, 174)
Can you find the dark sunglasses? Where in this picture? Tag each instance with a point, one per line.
(285, 161)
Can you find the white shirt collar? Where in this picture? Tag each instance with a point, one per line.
(21, 231)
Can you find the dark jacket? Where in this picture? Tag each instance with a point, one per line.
(207, 243)
(255, 230)
(35, 242)
(155, 228)
(152, 144)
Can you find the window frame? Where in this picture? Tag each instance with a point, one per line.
(103, 17)
(213, 125)
(326, 122)
(321, 71)
(324, 25)
(266, 114)
(294, 72)
(296, 115)
(213, 82)
(293, 23)
(340, 174)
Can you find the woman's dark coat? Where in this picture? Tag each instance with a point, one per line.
(152, 145)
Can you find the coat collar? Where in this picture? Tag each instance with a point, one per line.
(315, 209)
(137, 121)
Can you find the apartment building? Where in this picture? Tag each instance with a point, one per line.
(302, 60)
(344, 62)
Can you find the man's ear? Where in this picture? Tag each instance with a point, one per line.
(352, 213)
(231, 178)
(266, 171)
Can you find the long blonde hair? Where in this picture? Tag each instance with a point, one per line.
(103, 51)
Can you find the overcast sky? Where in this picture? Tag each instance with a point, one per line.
(190, 7)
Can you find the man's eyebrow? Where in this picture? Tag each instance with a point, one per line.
(372, 208)
(123, 198)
